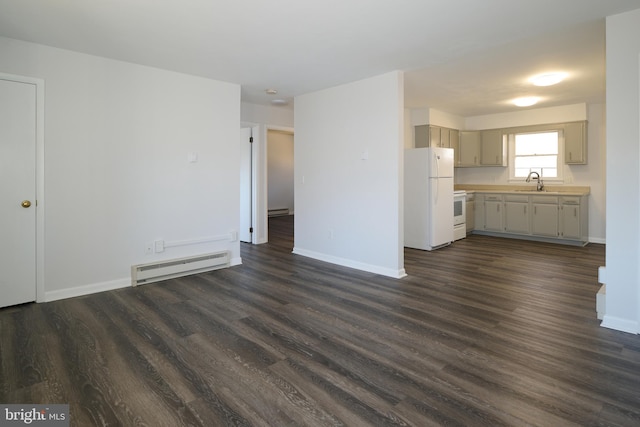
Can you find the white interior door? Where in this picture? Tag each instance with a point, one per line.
(246, 196)
(17, 192)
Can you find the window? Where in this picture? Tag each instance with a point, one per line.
(535, 152)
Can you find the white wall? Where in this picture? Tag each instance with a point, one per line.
(533, 116)
(280, 170)
(623, 173)
(592, 174)
(348, 170)
(117, 138)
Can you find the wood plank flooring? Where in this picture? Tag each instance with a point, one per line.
(486, 332)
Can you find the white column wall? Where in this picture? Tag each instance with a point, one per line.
(348, 174)
(623, 173)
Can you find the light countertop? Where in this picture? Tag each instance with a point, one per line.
(551, 190)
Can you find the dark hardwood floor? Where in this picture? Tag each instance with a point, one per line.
(486, 332)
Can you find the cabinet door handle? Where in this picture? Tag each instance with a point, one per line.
(525, 209)
(535, 210)
(575, 212)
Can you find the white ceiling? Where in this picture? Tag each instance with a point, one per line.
(465, 57)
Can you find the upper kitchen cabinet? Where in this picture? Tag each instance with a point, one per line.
(469, 149)
(435, 136)
(421, 135)
(493, 148)
(454, 142)
(575, 143)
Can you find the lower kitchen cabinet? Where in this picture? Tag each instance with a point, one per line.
(570, 217)
(470, 212)
(493, 213)
(545, 219)
(562, 219)
(516, 214)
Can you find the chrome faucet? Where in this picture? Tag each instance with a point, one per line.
(540, 185)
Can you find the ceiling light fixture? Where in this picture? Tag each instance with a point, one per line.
(271, 91)
(548, 79)
(279, 102)
(526, 101)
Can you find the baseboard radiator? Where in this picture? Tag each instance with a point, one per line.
(163, 270)
(278, 212)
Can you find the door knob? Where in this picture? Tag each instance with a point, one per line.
(25, 204)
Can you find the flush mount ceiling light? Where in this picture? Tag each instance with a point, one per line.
(279, 102)
(526, 101)
(548, 79)
(271, 91)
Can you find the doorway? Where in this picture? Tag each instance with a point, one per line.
(21, 189)
(280, 188)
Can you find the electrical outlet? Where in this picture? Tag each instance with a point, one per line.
(148, 248)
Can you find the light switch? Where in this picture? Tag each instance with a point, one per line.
(193, 156)
(158, 246)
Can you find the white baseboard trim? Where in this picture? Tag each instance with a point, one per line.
(235, 261)
(619, 324)
(87, 289)
(599, 240)
(396, 274)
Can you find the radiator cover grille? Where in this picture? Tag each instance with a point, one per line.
(168, 269)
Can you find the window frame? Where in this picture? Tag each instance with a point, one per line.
(511, 138)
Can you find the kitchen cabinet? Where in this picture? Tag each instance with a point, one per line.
(571, 225)
(470, 212)
(421, 136)
(493, 220)
(493, 148)
(575, 143)
(454, 142)
(562, 219)
(544, 220)
(435, 137)
(516, 214)
(489, 147)
(469, 150)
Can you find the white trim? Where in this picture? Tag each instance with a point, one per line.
(396, 274)
(40, 199)
(235, 261)
(511, 144)
(87, 289)
(620, 324)
(600, 240)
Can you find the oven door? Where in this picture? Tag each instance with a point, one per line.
(459, 208)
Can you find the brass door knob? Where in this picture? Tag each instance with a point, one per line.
(26, 203)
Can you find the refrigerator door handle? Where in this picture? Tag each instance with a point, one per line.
(437, 161)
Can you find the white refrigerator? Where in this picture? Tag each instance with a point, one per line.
(428, 198)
